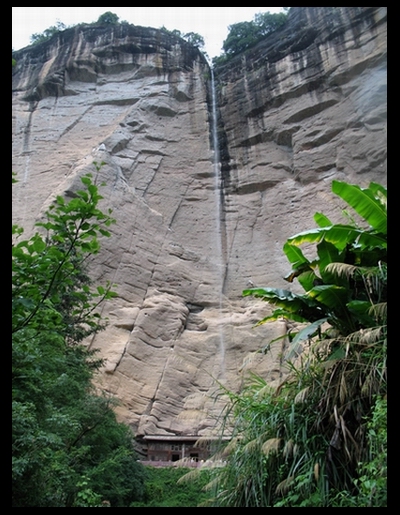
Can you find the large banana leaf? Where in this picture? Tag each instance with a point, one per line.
(295, 255)
(280, 313)
(308, 280)
(303, 306)
(330, 295)
(278, 297)
(328, 253)
(364, 202)
(340, 235)
(301, 265)
(362, 310)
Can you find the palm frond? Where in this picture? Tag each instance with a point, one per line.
(342, 269)
(189, 477)
(284, 486)
(379, 311)
(271, 445)
(301, 395)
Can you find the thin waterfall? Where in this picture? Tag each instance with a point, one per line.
(219, 207)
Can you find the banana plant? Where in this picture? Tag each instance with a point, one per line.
(339, 283)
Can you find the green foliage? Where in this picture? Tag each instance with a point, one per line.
(64, 433)
(319, 439)
(372, 479)
(108, 18)
(165, 488)
(48, 33)
(193, 38)
(347, 279)
(246, 34)
(50, 284)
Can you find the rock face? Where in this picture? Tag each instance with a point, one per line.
(304, 106)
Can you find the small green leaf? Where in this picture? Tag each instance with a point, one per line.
(39, 245)
(86, 180)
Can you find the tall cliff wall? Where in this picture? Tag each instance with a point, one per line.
(304, 106)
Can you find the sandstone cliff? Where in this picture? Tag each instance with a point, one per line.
(304, 106)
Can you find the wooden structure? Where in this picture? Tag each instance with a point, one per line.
(159, 448)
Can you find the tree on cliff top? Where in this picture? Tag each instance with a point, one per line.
(40, 37)
(246, 34)
(193, 38)
(108, 18)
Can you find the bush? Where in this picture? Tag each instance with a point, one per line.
(67, 447)
(246, 34)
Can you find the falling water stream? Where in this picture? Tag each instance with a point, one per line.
(219, 207)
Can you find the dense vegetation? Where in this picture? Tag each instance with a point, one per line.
(241, 36)
(319, 439)
(165, 488)
(67, 447)
(106, 19)
(246, 34)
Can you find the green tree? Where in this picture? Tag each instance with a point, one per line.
(269, 22)
(319, 438)
(65, 437)
(194, 39)
(246, 34)
(48, 33)
(108, 18)
(242, 36)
